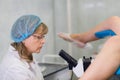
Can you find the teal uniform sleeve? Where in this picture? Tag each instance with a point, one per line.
(118, 71)
(104, 33)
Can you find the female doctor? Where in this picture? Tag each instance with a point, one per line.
(18, 64)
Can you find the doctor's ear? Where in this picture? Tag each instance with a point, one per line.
(23, 42)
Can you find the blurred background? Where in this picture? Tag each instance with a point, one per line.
(69, 16)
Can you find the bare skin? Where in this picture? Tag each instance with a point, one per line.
(112, 23)
(108, 59)
(106, 62)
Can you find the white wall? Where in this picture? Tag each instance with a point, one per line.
(70, 16)
(12, 9)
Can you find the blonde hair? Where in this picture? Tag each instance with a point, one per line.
(22, 50)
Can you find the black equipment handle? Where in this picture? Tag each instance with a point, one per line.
(70, 60)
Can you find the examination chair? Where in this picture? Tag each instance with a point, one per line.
(81, 65)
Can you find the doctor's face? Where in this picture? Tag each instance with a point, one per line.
(35, 42)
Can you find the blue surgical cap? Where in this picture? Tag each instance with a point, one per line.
(24, 27)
